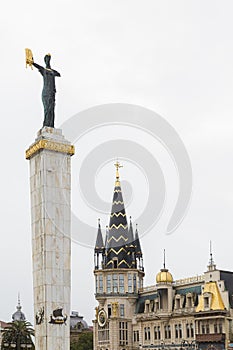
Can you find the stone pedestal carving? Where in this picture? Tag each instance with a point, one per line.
(50, 184)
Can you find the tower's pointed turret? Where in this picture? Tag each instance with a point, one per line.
(130, 234)
(138, 249)
(117, 247)
(99, 245)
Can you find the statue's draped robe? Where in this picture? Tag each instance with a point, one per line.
(48, 93)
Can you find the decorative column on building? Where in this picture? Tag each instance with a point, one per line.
(50, 186)
(119, 275)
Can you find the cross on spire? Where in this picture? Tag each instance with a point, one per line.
(117, 165)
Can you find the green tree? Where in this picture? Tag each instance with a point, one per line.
(18, 333)
(85, 342)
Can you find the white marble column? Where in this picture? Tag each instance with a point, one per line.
(50, 185)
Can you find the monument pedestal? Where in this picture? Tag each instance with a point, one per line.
(50, 185)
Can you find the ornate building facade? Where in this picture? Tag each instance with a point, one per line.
(191, 313)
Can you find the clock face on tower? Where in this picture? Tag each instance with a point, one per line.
(102, 318)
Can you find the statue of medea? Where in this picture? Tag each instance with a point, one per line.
(49, 88)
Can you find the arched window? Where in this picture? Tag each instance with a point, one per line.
(187, 330)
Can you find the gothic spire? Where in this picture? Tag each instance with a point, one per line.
(118, 235)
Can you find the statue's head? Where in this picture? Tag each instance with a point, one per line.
(47, 59)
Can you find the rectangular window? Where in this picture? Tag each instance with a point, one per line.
(155, 333)
(220, 327)
(147, 333)
(192, 330)
(115, 283)
(121, 284)
(159, 333)
(101, 283)
(130, 286)
(123, 333)
(180, 331)
(203, 329)
(206, 302)
(139, 283)
(103, 333)
(109, 310)
(176, 331)
(169, 331)
(122, 310)
(134, 283)
(177, 303)
(189, 302)
(96, 284)
(187, 330)
(109, 284)
(165, 332)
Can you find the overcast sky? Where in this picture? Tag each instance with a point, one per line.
(173, 57)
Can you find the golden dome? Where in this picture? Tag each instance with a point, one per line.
(164, 276)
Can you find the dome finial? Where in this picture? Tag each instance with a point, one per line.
(164, 276)
(18, 306)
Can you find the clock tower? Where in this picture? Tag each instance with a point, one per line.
(119, 275)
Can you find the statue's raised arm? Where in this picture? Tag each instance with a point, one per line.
(49, 88)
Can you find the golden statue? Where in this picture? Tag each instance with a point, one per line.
(115, 309)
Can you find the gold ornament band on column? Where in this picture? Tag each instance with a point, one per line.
(51, 146)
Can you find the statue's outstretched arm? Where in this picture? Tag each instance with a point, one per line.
(40, 68)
